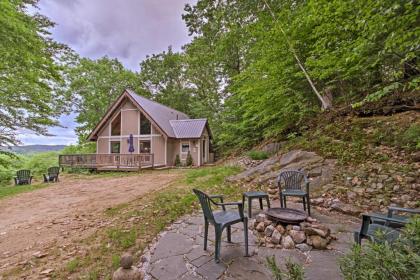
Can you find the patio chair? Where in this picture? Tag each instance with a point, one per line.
(221, 220)
(389, 224)
(52, 174)
(23, 177)
(375, 232)
(295, 184)
(402, 220)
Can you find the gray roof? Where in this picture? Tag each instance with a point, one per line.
(174, 123)
(190, 128)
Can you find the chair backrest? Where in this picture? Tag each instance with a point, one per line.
(205, 203)
(23, 174)
(54, 170)
(293, 180)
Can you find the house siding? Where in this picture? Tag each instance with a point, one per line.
(158, 146)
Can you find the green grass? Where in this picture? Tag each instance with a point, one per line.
(72, 265)
(7, 191)
(258, 155)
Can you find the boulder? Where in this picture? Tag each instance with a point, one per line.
(276, 237)
(127, 271)
(315, 231)
(280, 229)
(287, 242)
(260, 218)
(318, 242)
(346, 208)
(297, 236)
(260, 227)
(269, 230)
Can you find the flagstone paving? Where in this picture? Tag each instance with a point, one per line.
(179, 254)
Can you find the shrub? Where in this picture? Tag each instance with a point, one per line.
(257, 155)
(85, 148)
(39, 163)
(376, 261)
(294, 271)
(177, 161)
(189, 161)
(411, 136)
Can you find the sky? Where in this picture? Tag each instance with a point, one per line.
(126, 29)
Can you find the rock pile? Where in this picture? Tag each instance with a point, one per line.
(305, 236)
(318, 170)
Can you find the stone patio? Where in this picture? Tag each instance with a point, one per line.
(178, 252)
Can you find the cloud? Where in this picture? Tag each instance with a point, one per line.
(126, 29)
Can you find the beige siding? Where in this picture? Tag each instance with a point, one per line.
(172, 151)
(158, 146)
(102, 146)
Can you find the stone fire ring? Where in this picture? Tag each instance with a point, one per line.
(286, 215)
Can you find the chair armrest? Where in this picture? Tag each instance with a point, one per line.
(219, 196)
(384, 218)
(391, 210)
(239, 204)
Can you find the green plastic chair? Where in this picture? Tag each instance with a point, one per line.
(370, 230)
(52, 174)
(221, 220)
(295, 183)
(23, 177)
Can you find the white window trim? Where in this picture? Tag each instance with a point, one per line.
(145, 140)
(189, 147)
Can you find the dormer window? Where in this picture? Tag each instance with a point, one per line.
(145, 127)
(116, 126)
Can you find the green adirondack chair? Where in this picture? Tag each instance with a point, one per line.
(23, 177)
(52, 174)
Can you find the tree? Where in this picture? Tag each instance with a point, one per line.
(30, 72)
(94, 85)
(163, 75)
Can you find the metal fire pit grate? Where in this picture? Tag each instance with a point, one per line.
(286, 215)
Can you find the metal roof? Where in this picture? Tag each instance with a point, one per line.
(189, 128)
(174, 123)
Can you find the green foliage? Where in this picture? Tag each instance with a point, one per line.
(294, 271)
(85, 148)
(377, 261)
(189, 160)
(11, 190)
(257, 155)
(177, 161)
(30, 72)
(73, 264)
(411, 136)
(123, 238)
(95, 85)
(39, 163)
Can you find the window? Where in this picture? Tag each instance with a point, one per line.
(144, 125)
(185, 148)
(115, 147)
(145, 146)
(116, 126)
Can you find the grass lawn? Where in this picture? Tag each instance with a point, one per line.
(10, 190)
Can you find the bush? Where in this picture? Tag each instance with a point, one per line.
(39, 163)
(10, 163)
(189, 161)
(377, 261)
(294, 271)
(258, 155)
(85, 148)
(411, 136)
(177, 161)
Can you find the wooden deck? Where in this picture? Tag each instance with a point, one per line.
(119, 162)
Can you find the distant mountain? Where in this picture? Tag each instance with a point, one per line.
(30, 149)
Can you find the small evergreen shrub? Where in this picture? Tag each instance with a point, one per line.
(189, 161)
(258, 155)
(376, 261)
(177, 161)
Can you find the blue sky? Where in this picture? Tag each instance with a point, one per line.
(126, 29)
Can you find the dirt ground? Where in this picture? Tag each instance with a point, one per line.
(35, 223)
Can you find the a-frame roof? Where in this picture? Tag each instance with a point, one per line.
(173, 123)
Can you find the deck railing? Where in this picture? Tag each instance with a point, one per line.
(112, 161)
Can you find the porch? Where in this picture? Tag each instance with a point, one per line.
(108, 162)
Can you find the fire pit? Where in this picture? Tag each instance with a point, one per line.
(286, 215)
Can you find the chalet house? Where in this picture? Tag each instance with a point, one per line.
(137, 132)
